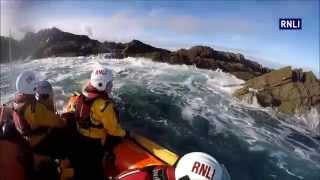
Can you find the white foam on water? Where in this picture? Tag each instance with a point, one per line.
(282, 165)
(187, 114)
(256, 148)
(311, 119)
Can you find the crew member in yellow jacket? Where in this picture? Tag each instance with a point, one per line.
(97, 123)
(56, 141)
(33, 119)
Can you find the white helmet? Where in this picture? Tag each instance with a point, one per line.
(26, 83)
(44, 87)
(100, 77)
(198, 166)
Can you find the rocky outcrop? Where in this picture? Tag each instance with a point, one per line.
(50, 42)
(208, 58)
(287, 90)
(137, 48)
(200, 56)
(54, 42)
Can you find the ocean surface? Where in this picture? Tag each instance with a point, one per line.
(188, 109)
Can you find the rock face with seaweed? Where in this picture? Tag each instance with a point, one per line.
(288, 90)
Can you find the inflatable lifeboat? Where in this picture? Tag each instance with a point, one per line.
(133, 152)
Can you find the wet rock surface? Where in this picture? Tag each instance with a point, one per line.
(288, 90)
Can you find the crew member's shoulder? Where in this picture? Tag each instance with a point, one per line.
(38, 107)
(102, 103)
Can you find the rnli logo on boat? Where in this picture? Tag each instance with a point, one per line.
(290, 24)
(203, 170)
(101, 72)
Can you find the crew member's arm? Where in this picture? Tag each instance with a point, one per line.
(108, 117)
(42, 117)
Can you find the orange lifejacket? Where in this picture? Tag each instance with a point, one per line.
(81, 104)
(82, 111)
(71, 103)
(148, 173)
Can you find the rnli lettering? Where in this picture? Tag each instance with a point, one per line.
(290, 23)
(203, 170)
(195, 167)
(101, 71)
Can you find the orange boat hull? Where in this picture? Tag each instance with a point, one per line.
(129, 155)
(10, 166)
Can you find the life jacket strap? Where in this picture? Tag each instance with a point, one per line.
(106, 104)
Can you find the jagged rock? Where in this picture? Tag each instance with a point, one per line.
(137, 48)
(288, 90)
(201, 52)
(54, 42)
(228, 56)
(267, 99)
(207, 58)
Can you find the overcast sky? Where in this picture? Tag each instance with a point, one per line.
(248, 27)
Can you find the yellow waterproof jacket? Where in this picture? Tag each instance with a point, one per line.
(41, 117)
(103, 115)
